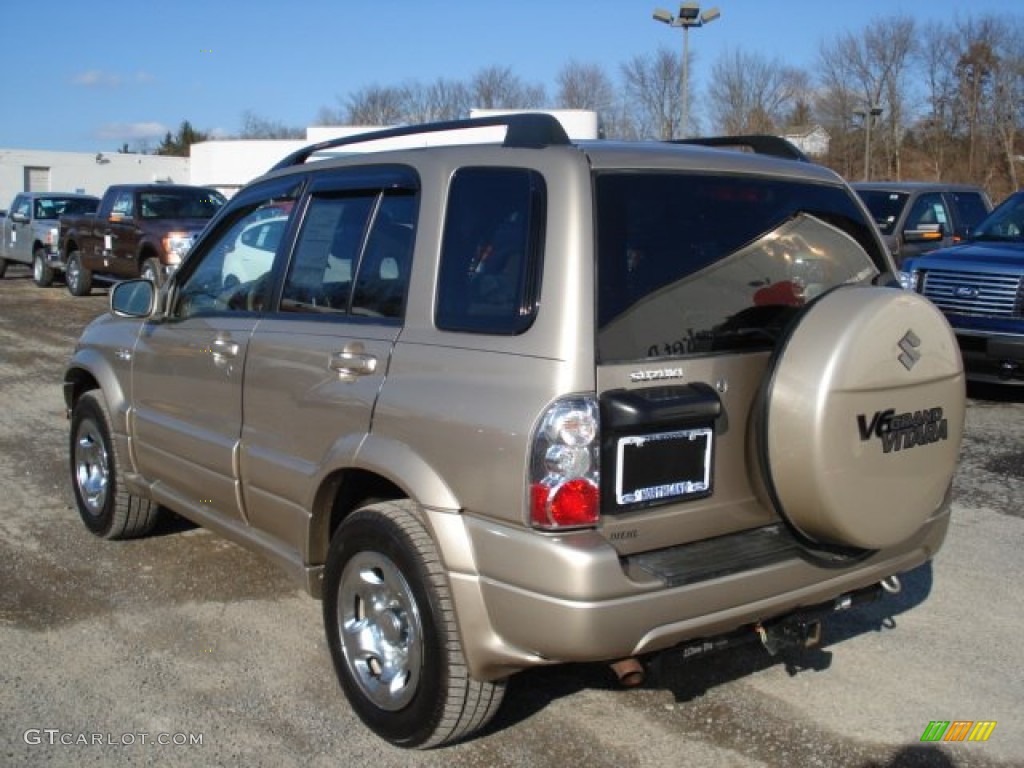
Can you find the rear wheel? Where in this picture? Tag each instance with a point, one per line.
(391, 629)
(3, 266)
(42, 273)
(106, 508)
(78, 277)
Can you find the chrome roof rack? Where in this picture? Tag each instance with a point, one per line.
(532, 130)
(758, 143)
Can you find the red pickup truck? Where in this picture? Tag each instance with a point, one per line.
(139, 230)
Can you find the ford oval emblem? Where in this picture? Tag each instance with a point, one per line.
(966, 292)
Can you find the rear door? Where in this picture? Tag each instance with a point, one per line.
(188, 369)
(317, 364)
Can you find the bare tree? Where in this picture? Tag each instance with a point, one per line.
(868, 70)
(440, 100)
(257, 127)
(585, 86)
(651, 85)
(1008, 99)
(500, 88)
(752, 94)
(375, 105)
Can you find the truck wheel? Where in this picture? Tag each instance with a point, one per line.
(42, 273)
(106, 508)
(861, 418)
(392, 634)
(151, 271)
(3, 266)
(78, 277)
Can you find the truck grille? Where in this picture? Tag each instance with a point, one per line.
(992, 294)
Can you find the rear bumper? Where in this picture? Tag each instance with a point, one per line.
(544, 600)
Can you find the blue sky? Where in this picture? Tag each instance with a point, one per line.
(88, 75)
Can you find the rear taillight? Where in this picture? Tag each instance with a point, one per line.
(564, 466)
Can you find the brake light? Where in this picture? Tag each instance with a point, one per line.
(564, 483)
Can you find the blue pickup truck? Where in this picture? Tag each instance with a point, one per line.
(979, 285)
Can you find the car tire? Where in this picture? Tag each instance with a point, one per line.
(79, 278)
(150, 270)
(860, 419)
(42, 273)
(391, 629)
(106, 507)
(3, 266)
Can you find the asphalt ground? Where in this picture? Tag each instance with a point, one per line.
(182, 649)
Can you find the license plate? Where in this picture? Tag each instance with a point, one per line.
(663, 466)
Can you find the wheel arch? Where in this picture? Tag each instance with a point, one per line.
(381, 469)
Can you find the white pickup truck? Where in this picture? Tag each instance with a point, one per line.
(31, 228)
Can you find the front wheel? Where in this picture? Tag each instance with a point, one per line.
(391, 629)
(42, 273)
(3, 266)
(106, 508)
(151, 271)
(78, 277)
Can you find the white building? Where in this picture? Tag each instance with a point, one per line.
(225, 164)
(31, 170)
(812, 140)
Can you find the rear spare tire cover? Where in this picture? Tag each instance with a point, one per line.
(862, 417)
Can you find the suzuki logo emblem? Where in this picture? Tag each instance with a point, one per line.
(966, 292)
(908, 346)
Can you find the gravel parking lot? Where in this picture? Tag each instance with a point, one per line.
(183, 649)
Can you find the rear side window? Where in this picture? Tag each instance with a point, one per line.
(971, 209)
(491, 251)
(692, 264)
(353, 255)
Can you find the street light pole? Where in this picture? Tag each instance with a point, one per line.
(869, 114)
(689, 16)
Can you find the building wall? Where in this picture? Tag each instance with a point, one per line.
(86, 172)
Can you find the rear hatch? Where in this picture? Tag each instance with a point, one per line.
(699, 278)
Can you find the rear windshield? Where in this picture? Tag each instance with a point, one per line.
(180, 204)
(55, 207)
(885, 207)
(691, 264)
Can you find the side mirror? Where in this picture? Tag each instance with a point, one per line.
(20, 218)
(133, 298)
(925, 233)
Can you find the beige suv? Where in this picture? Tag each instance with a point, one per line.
(510, 404)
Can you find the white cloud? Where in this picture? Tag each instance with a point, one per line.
(93, 78)
(97, 78)
(132, 131)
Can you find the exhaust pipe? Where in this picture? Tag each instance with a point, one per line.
(629, 672)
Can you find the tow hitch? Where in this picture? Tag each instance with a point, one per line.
(801, 629)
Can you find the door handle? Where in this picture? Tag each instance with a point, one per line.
(353, 362)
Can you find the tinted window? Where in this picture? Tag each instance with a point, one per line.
(696, 264)
(1006, 222)
(226, 273)
(491, 251)
(180, 204)
(353, 255)
(928, 214)
(971, 208)
(55, 207)
(885, 207)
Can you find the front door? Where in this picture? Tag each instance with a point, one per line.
(188, 370)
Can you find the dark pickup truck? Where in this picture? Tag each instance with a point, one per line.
(979, 286)
(140, 230)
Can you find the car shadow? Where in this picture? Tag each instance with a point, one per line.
(999, 393)
(688, 679)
